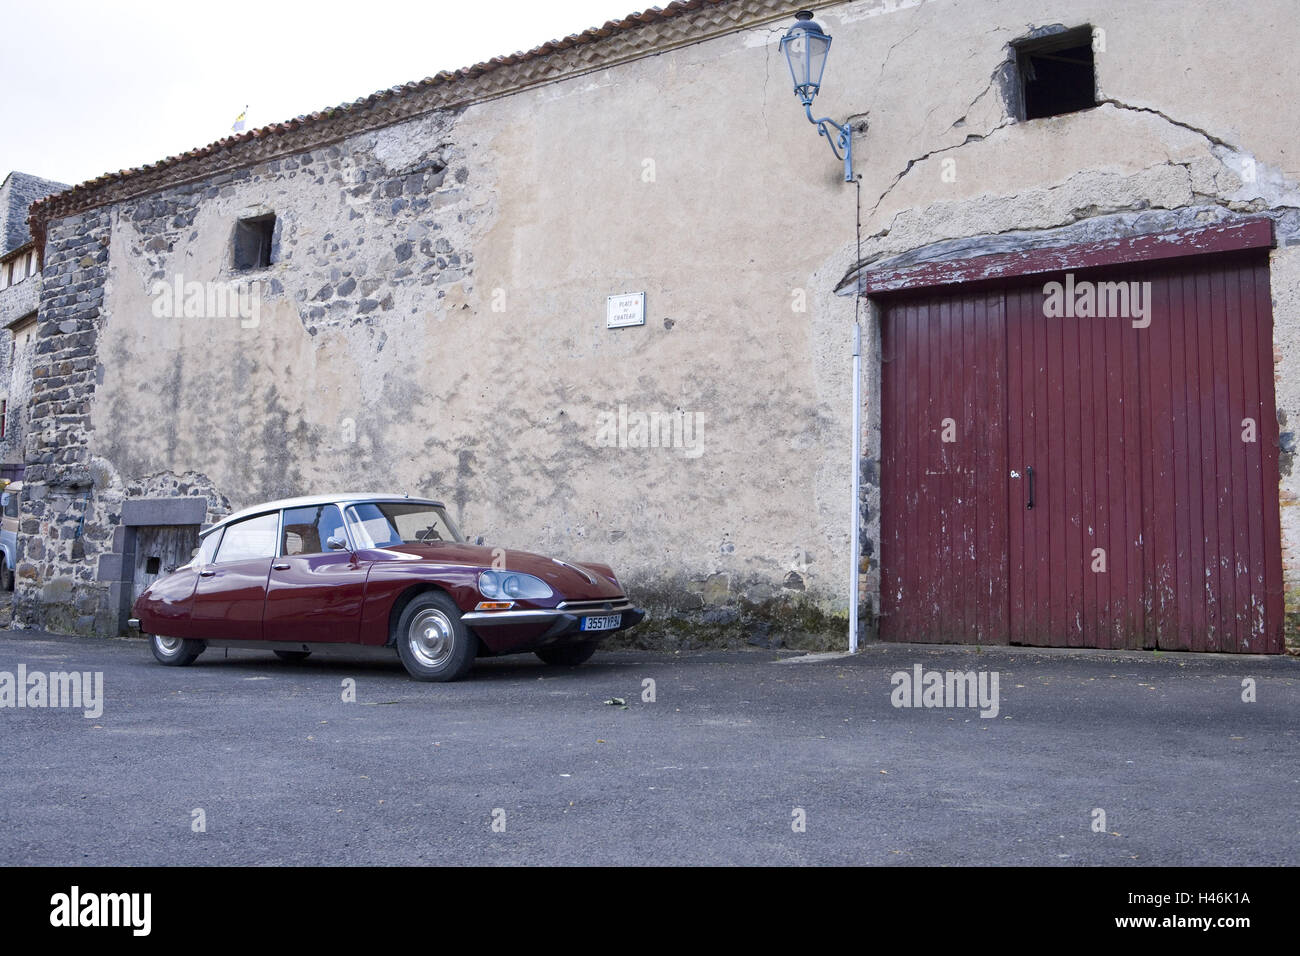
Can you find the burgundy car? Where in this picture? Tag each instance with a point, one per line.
(376, 570)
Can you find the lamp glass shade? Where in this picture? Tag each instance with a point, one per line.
(805, 48)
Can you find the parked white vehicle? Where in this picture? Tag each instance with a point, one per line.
(9, 500)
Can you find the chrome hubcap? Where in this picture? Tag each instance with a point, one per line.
(168, 645)
(430, 637)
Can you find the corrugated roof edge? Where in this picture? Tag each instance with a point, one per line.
(496, 77)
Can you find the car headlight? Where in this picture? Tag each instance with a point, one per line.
(512, 585)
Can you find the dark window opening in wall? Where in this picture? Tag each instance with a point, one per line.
(253, 242)
(4, 416)
(153, 566)
(1056, 74)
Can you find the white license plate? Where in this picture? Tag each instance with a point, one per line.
(608, 622)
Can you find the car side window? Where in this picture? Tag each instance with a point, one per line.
(249, 539)
(208, 548)
(11, 504)
(308, 530)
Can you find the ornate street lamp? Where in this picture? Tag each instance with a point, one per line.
(805, 47)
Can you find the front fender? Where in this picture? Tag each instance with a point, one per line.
(165, 607)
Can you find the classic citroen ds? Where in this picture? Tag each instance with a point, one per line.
(379, 570)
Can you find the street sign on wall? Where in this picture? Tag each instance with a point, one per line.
(624, 310)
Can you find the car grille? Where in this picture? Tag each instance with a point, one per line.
(591, 607)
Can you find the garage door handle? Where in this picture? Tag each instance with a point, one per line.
(1029, 472)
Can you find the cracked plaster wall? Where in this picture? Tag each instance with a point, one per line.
(1185, 134)
(691, 175)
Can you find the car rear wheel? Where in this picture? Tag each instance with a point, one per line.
(293, 655)
(567, 655)
(175, 651)
(432, 641)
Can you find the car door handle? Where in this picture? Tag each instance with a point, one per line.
(206, 574)
(1029, 472)
(279, 567)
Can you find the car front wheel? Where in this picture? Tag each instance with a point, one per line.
(175, 651)
(567, 655)
(432, 641)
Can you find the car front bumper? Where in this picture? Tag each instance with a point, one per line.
(541, 626)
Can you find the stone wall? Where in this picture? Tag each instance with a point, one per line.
(19, 300)
(17, 354)
(16, 302)
(393, 247)
(56, 545)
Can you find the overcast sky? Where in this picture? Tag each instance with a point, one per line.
(93, 87)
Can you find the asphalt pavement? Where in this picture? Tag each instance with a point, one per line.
(738, 757)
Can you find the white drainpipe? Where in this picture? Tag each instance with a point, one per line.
(854, 534)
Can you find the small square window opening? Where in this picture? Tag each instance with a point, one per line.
(253, 239)
(1056, 74)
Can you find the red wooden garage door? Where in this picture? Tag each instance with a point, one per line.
(1151, 452)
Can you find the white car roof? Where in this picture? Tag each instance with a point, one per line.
(307, 501)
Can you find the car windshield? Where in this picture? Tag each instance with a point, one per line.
(381, 524)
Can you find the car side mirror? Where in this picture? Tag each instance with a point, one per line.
(336, 544)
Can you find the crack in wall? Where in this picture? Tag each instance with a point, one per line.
(890, 52)
(1198, 197)
(767, 74)
(970, 138)
(994, 77)
(1169, 119)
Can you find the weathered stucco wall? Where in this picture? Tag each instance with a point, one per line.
(434, 317)
(1182, 137)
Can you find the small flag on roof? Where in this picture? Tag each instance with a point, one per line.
(238, 126)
